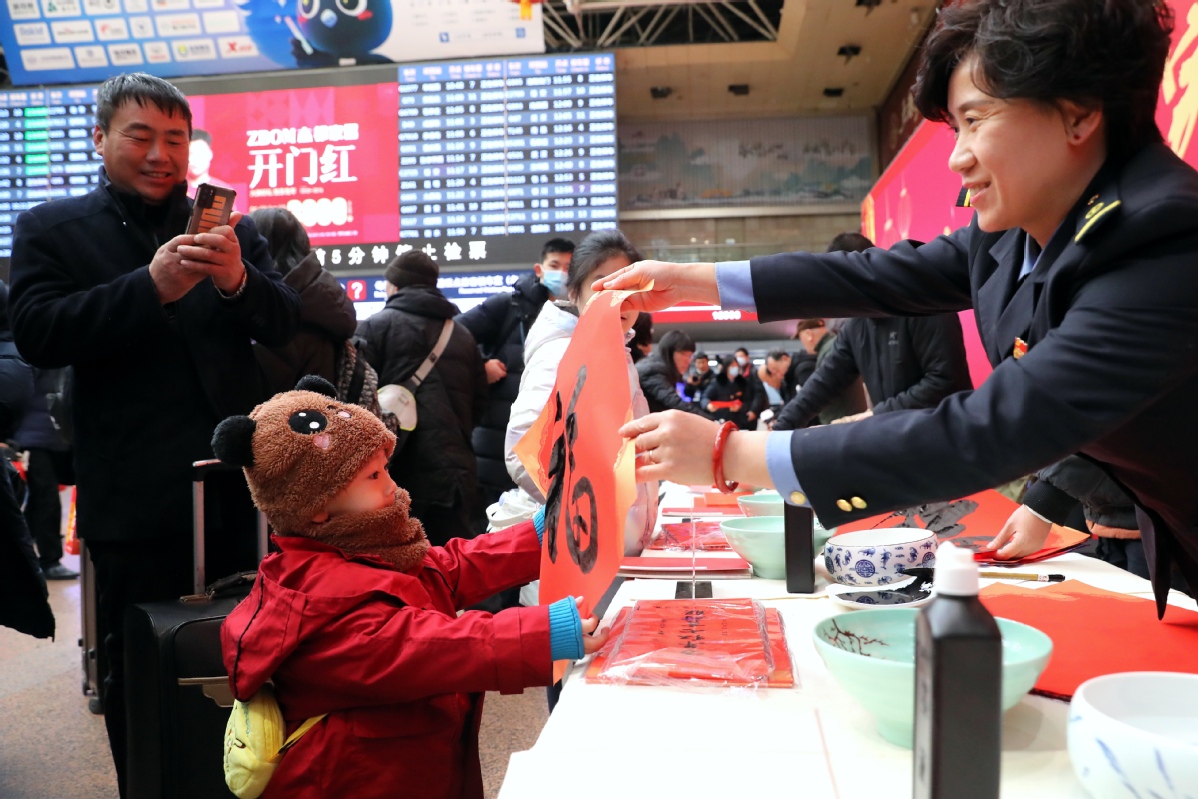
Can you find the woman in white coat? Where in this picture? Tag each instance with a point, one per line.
(600, 254)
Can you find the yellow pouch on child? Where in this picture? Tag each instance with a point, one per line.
(254, 742)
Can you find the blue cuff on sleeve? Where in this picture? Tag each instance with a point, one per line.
(538, 521)
(782, 470)
(565, 630)
(735, 284)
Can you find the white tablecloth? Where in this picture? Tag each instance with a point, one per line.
(814, 740)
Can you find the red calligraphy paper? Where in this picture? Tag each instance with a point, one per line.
(583, 466)
(971, 522)
(715, 642)
(1096, 632)
(704, 536)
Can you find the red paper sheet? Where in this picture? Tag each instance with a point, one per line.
(687, 642)
(971, 522)
(1096, 632)
(702, 510)
(704, 536)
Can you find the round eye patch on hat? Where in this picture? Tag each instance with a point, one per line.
(299, 449)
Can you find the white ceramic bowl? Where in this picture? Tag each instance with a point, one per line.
(1136, 734)
(878, 557)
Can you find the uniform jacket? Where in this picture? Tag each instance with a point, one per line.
(385, 654)
(1110, 319)
(436, 464)
(546, 346)
(500, 325)
(151, 381)
(327, 319)
(910, 362)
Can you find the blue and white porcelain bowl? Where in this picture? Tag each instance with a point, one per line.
(878, 557)
(1136, 734)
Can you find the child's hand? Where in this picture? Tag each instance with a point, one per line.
(591, 643)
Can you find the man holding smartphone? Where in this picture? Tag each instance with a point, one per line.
(158, 326)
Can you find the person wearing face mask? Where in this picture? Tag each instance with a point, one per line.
(500, 325)
(725, 398)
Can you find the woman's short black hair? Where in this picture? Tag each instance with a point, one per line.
(1097, 53)
(285, 237)
(592, 252)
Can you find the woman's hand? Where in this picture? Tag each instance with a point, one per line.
(1023, 534)
(679, 447)
(672, 284)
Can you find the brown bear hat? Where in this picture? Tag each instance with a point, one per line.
(299, 450)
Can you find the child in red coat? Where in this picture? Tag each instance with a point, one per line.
(357, 615)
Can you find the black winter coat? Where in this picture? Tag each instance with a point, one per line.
(659, 383)
(1059, 488)
(907, 362)
(499, 325)
(436, 464)
(327, 319)
(721, 389)
(152, 381)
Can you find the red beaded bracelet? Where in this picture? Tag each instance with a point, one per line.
(717, 458)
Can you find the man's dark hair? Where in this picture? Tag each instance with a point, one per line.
(1107, 54)
(700, 354)
(563, 246)
(674, 341)
(199, 134)
(850, 242)
(285, 237)
(777, 355)
(140, 88)
(593, 251)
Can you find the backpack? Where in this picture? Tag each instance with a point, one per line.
(358, 383)
(254, 742)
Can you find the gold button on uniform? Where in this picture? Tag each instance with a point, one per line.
(844, 505)
(858, 503)
(798, 498)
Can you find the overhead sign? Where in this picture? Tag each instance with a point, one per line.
(71, 41)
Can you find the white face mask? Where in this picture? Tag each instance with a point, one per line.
(732, 372)
(743, 362)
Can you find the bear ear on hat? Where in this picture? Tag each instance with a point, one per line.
(233, 441)
(317, 384)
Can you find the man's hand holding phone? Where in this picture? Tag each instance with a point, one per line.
(209, 248)
(215, 254)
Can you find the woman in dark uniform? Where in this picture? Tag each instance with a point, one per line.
(1079, 264)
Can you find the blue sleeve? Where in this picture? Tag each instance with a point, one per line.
(565, 630)
(735, 284)
(782, 470)
(538, 521)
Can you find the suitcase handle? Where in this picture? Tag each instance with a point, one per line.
(215, 688)
(199, 569)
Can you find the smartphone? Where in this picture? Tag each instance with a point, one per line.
(212, 208)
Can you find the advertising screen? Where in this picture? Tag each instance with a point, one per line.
(497, 156)
(321, 153)
(46, 150)
(65, 41)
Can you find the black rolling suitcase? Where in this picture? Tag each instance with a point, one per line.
(176, 686)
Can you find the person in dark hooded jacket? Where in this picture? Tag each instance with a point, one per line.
(436, 463)
(327, 317)
(23, 603)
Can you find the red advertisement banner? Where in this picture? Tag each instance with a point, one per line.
(329, 155)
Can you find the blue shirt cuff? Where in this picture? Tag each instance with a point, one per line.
(565, 630)
(781, 467)
(735, 284)
(538, 521)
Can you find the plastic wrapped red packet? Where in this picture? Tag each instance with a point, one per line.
(704, 536)
(714, 642)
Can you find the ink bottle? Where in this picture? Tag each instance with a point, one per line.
(958, 687)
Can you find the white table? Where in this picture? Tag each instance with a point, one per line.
(814, 740)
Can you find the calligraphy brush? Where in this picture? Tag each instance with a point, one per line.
(926, 573)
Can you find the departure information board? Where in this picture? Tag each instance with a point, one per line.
(496, 156)
(46, 150)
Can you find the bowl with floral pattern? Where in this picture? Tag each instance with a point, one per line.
(878, 556)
